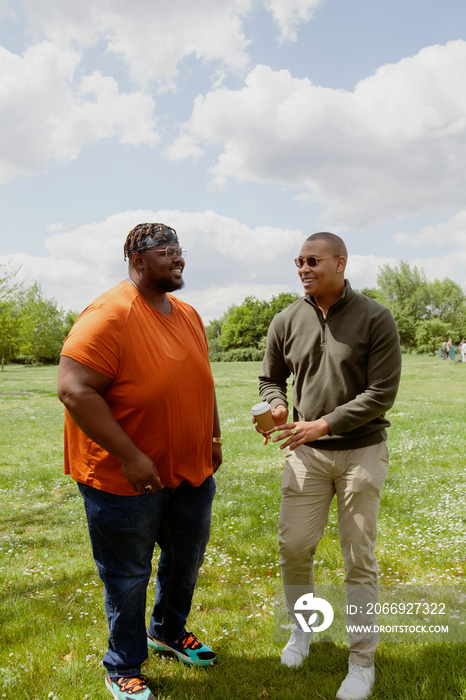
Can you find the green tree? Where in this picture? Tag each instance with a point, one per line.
(9, 312)
(245, 325)
(446, 301)
(213, 332)
(70, 318)
(41, 326)
(404, 287)
(280, 302)
(374, 293)
(430, 334)
(9, 330)
(405, 291)
(414, 302)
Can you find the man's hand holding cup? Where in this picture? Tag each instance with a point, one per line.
(266, 418)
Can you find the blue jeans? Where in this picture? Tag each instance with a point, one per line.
(123, 532)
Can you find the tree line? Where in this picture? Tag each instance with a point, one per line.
(426, 313)
(32, 327)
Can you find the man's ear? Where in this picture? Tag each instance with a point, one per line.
(137, 261)
(341, 264)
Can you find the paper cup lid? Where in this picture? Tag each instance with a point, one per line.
(260, 408)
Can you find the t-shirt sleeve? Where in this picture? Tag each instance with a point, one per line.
(94, 340)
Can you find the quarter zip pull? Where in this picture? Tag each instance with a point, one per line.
(323, 332)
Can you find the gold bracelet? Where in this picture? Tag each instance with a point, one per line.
(218, 439)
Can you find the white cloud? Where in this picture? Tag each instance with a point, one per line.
(362, 270)
(97, 244)
(231, 238)
(52, 110)
(128, 116)
(392, 147)
(451, 265)
(152, 38)
(448, 239)
(185, 146)
(212, 302)
(289, 14)
(47, 114)
(226, 260)
(451, 231)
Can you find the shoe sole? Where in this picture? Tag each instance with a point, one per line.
(109, 687)
(163, 648)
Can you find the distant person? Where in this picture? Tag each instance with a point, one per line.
(142, 439)
(445, 350)
(463, 349)
(343, 352)
(451, 349)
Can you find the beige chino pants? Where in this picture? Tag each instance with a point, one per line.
(311, 478)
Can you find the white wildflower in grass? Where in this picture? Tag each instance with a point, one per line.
(46, 562)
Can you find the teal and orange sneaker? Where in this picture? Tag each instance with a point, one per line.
(187, 649)
(128, 688)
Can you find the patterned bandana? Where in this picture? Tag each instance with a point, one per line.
(146, 236)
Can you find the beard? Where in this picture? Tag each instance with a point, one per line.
(167, 285)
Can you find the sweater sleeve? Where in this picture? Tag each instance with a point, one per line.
(275, 371)
(383, 377)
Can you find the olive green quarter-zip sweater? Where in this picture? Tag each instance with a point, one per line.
(345, 368)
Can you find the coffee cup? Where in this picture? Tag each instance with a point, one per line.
(262, 412)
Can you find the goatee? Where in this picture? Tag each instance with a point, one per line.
(167, 285)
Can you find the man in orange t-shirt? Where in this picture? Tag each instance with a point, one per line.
(142, 439)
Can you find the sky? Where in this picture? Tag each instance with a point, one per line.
(246, 125)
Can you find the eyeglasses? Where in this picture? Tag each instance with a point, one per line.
(171, 251)
(311, 260)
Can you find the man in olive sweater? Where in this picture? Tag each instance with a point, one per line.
(342, 350)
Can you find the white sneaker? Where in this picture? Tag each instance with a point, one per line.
(297, 648)
(358, 683)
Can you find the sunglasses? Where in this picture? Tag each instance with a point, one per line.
(171, 251)
(311, 260)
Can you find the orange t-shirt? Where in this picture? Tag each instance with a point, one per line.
(162, 393)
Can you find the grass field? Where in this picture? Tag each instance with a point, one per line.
(52, 622)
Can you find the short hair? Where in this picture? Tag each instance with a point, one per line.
(334, 242)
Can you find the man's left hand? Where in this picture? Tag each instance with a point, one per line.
(297, 434)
